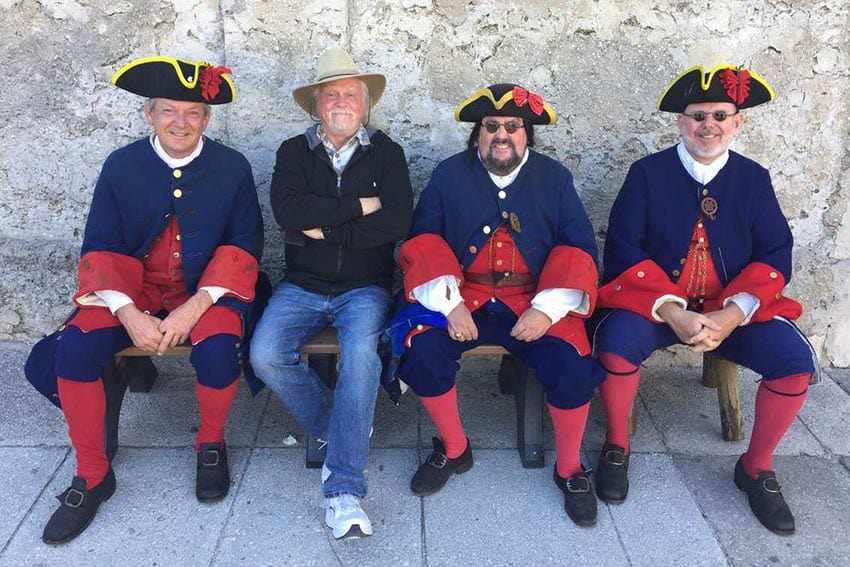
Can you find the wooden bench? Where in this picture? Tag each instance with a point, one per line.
(133, 369)
(723, 375)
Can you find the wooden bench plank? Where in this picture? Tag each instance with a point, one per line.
(321, 352)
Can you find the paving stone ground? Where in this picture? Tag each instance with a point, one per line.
(683, 508)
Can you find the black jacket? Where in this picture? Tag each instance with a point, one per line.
(306, 193)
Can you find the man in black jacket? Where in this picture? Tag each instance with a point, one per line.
(341, 191)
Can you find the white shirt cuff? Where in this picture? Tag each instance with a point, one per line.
(748, 303)
(555, 303)
(110, 298)
(668, 298)
(215, 291)
(442, 294)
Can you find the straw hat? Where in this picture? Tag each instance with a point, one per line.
(333, 65)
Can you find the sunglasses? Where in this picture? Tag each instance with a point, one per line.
(701, 115)
(510, 127)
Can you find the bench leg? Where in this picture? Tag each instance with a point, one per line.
(325, 367)
(725, 375)
(528, 395)
(507, 376)
(115, 385)
(141, 373)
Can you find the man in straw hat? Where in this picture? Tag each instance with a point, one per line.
(170, 254)
(698, 252)
(341, 191)
(501, 251)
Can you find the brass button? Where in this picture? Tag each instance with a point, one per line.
(682, 261)
(473, 249)
(701, 240)
(176, 254)
(502, 194)
(676, 272)
(475, 303)
(618, 287)
(420, 326)
(238, 345)
(499, 244)
(507, 274)
(505, 214)
(640, 274)
(498, 262)
(699, 225)
(61, 327)
(772, 275)
(778, 295)
(178, 237)
(705, 191)
(177, 174)
(487, 230)
(492, 300)
(177, 193)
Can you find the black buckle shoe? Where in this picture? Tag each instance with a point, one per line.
(213, 476)
(437, 468)
(766, 501)
(77, 509)
(612, 474)
(579, 500)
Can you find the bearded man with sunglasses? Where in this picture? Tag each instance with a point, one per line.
(501, 251)
(698, 253)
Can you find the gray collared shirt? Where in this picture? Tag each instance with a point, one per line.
(340, 156)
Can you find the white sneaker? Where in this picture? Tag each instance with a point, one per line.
(346, 518)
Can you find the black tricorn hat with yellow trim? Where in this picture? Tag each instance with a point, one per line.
(505, 99)
(725, 83)
(176, 79)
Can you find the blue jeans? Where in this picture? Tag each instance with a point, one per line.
(343, 416)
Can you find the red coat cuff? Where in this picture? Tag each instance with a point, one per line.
(766, 284)
(638, 288)
(102, 270)
(573, 268)
(233, 268)
(426, 257)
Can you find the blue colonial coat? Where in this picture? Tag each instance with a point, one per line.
(652, 221)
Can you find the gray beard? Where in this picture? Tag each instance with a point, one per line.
(501, 168)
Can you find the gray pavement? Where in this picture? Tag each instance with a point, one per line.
(683, 508)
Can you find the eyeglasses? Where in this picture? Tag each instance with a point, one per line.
(701, 115)
(510, 127)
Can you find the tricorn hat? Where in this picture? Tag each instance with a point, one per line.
(725, 83)
(169, 77)
(335, 64)
(505, 99)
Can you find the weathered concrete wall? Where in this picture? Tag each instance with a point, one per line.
(601, 63)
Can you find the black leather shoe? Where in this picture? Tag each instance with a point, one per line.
(213, 479)
(437, 468)
(77, 509)
(579, 500)
(612, 474)
(766, 501)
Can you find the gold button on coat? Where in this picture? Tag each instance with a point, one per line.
(772, 275)
(177, 174)
(176, 254)
(778, 295)
(676, 272)
(504, 214)
(178, 237)
(473, 249)
(177, 193)
(487, 230)
(640, 274)
(420, 326)
(502, 194)
(618, 287)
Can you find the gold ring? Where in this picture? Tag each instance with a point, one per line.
(458, 335)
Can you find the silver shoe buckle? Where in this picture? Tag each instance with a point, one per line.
(615, 458)
(772, 486)
(79, 498)
(584, 488)
(205, 461)
(438, 460)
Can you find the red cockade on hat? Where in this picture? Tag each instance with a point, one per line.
(737, 85)
(210, 78)
(535, 101)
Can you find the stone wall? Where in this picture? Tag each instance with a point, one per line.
(600, 63)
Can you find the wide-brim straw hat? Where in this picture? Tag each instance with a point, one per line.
(333, 65)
